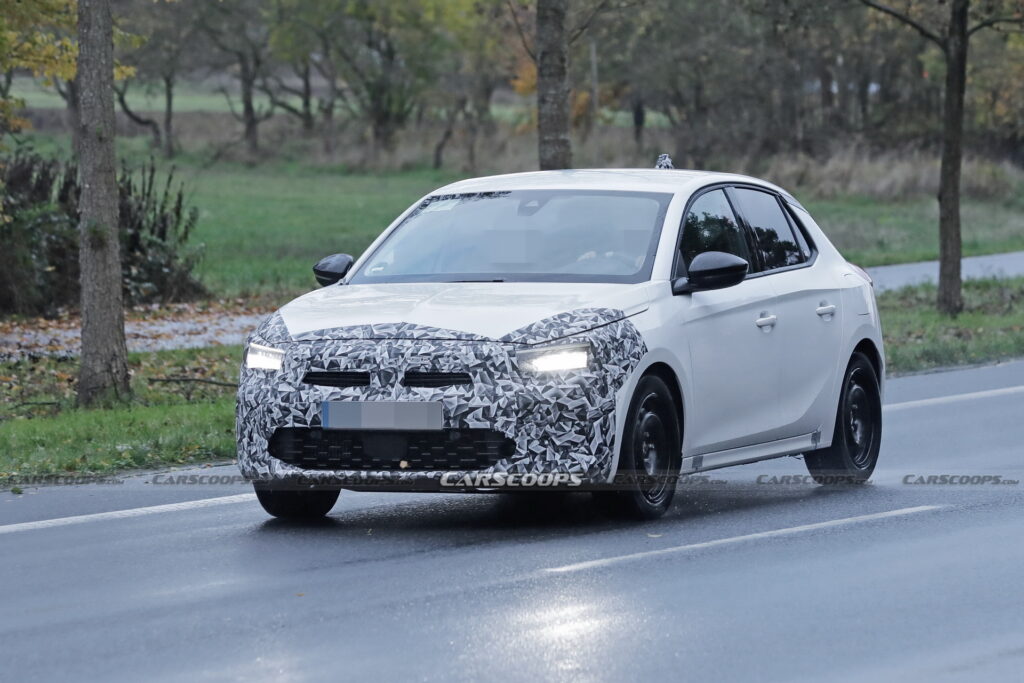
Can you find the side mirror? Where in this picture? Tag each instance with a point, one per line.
(711, 270)
(332, 268)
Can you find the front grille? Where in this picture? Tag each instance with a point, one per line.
(338, 378)
(415, 378)
(315, 448)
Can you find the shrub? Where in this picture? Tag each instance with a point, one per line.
(39, 236)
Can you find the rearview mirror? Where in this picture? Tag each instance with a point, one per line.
(332, 268)
(711, 270)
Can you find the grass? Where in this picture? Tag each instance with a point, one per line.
(991, 327)
(264, 226)
(104, 441)
(870, 232)
(41, 432)
(188, 97)
(167, 423)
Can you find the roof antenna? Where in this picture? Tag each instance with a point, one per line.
(664, 161)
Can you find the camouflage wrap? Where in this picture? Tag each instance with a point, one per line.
(561, 422)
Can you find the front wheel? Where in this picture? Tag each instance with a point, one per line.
(650, 455)
(311, 504)
(858, 434)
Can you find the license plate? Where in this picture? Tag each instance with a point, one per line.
(409, 415)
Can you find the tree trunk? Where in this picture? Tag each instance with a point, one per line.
(555, 149)
(104, 369)
(308, 117)
(249, 119)
(639, 117)
(949, 299)
(169, 117)
(73, 112)
(144, 121)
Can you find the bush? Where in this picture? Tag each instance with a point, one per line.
(39, 236)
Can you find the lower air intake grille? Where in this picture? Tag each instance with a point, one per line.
(314, 448)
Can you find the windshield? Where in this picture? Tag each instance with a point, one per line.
(528, 235)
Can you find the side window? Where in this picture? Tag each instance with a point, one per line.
(712, 226)
(776, 243)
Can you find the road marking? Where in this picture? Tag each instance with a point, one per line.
(607, 561)
(954, 398)
(124, 514)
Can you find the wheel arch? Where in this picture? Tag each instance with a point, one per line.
(665, 373)
(868, 348)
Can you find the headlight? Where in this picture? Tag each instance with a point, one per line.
(555, 358)
(263, 358)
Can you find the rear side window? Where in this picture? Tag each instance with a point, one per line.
(711, 225)
(773, 234)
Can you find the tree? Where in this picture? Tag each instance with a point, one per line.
(165, 46)
(104, 368)
(377, 58)
(953, 38)
(555, 33)
(238, 30)
(554, 145)
(34, 36)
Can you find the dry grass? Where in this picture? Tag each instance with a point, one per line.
(890, 176)
(511, 146)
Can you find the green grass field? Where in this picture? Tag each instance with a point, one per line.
(166, 423)
(187, 98)
(264, 226)
(870, 232)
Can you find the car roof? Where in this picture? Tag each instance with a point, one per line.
(629, 179)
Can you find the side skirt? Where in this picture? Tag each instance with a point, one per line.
(746, 454)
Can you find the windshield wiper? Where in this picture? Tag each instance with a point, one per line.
(496, 280)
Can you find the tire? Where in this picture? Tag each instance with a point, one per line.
(651, 447)
(311, 504)
(858, 434)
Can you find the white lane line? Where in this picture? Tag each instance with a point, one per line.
(131, 512)
(607, 561)
(955, 398)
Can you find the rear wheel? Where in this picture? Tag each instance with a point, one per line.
(286, 504)
(858, 434)
(649, 457)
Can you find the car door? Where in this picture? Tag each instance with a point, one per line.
(729, 333)
(808, 306)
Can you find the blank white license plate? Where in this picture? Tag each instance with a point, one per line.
(418, 415)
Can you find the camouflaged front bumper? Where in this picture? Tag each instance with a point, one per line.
(560, 422)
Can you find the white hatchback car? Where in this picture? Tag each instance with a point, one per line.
(604, 330)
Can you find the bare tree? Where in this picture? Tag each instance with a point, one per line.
(169, 47)
(953, 39)
(104, 367)
(236, 30)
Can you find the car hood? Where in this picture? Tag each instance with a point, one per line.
(484, 311)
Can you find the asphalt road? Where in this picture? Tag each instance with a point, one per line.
(748, 577)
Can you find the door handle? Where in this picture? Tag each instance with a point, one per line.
(766, 321)
(825, 309)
